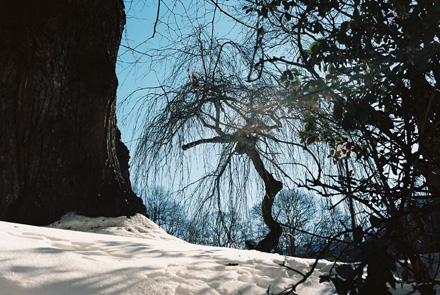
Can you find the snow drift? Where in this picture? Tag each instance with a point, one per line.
(135, 256)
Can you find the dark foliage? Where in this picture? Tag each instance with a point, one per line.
(369, 74)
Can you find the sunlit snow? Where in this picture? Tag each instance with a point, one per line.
(135, 256)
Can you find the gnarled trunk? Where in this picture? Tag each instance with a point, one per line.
(60, 146)
(272, 188)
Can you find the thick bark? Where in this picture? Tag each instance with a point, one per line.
(59, 143)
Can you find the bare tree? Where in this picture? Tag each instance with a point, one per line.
(214, 104)
(165, 210)
(296, 212)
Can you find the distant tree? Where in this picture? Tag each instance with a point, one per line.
(224, 229)
(227, 230)
(60, 149)
(296, 212)
(217, 228)
(199, 231)
(165, 211)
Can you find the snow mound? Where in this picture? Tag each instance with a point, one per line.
(137, 226)
(136, 257)
(133, 256)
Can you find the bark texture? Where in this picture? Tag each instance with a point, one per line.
(60, 148)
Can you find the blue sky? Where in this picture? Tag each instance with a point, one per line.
(133, 68)
(141, 17)
(140, 23)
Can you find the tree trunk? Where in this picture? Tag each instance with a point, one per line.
(60, 146)
(273, 187)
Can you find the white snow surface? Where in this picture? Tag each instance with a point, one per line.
(81, 255)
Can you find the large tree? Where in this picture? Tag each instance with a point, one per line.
(60, 146)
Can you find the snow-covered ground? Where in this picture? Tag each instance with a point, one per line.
(87, 256)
